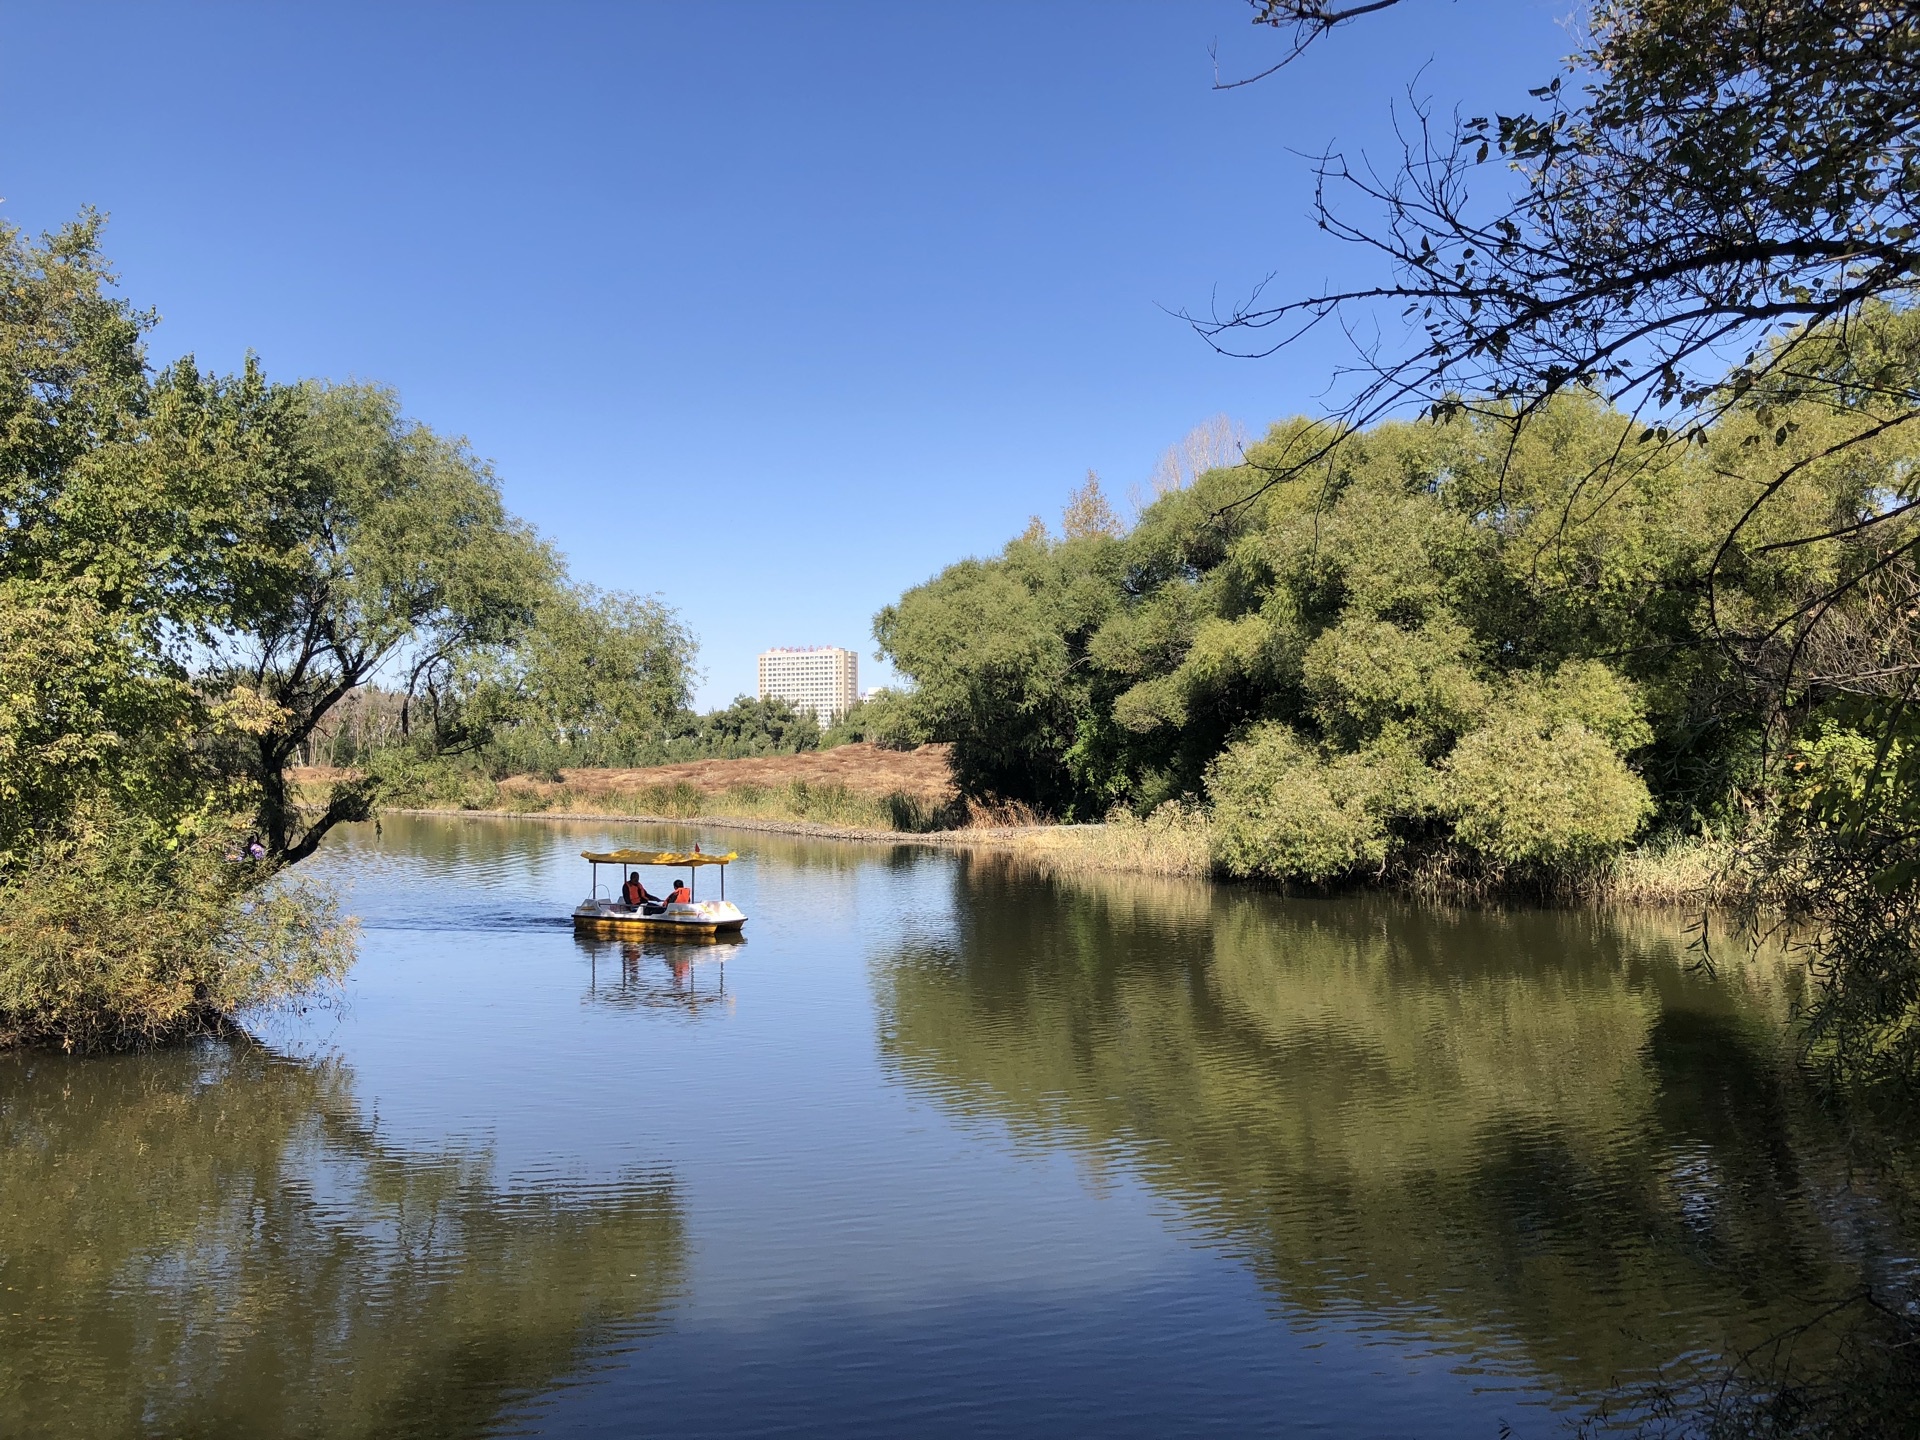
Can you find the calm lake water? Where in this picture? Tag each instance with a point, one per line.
(942, 1148)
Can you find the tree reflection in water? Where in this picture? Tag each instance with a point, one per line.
(688, 975)
(1537, 1139)
(215, 1242)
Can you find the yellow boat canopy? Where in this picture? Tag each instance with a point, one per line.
(656, 857)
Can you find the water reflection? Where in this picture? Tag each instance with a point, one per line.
(479, 848)
(1173, 1160)
(1537, 1140)
(686, 974)
(218, 1242)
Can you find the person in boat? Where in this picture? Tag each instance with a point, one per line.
(635, 894)
(680, 895)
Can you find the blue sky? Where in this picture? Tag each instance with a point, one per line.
(770, 309)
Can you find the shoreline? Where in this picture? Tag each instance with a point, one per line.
(809, 829)
(1639, 879)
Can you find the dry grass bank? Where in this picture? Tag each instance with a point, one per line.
(858, 787)
(850, 786)
(924, 775)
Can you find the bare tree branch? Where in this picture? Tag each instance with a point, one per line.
(1308, 20)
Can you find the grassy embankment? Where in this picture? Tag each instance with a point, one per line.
(850, 787)
(797, 800)
(860, 788)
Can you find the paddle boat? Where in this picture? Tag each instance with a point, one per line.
(696, 919)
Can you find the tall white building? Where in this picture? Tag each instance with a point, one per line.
(822, 678)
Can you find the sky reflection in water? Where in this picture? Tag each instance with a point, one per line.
(940, 1148)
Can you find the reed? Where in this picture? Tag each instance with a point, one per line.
(1669, 869)
(1174, 840)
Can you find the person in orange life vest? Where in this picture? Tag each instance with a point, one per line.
(634, 893)
(680, 894)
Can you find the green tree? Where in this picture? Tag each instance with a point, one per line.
(1707, 179)
(1409, 650)
(393, 549)
(885, 718)
(195, 570)
(1718, 175)
(749, 726)
(89, 702)
(997, 653)
(120, 545)
(599, 677)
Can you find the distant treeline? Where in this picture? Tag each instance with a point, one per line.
(368, 727)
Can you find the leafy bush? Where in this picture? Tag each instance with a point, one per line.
(1366, 673)
(112, 940)
(1518, 795)
(1534, 783)
(1279, 811)
(414, 776)
(1542, 781)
